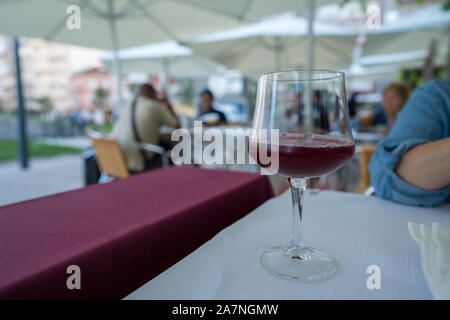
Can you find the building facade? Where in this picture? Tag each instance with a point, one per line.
(47, 70)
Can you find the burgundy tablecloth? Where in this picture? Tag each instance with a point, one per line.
(121, 234)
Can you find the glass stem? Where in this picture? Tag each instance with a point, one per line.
(298, 187)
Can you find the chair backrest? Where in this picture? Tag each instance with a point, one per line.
(109, 155)
(365, 156)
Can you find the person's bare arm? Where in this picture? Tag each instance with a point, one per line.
(427, 166)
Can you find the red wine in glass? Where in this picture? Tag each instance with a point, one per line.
(309, 155)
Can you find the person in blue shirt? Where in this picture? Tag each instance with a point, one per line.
(412, 164)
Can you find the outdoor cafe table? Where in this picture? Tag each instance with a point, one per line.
(120, 234)
(357, 231)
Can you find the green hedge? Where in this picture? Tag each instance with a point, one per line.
(9, 149)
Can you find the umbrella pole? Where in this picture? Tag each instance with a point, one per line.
(23, 150)
(166, 75)
(310, 60)
(278, 49)
(116, 59)
(310, 53)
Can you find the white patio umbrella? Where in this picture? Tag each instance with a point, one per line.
(411, 33)
(399, 58)
(116, 24)
(285, 41)
(280, 42)
(385, 64)
(168, 57)
(372, 72)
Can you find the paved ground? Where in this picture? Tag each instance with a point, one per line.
(44, 176)
(74, 142)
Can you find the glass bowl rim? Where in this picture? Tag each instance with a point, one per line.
(332, 74)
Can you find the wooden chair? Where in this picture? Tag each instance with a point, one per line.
(111, 159)
(366, 153)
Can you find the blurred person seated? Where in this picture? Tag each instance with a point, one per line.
(319, 113)
(165, 138)
(353, 105)
(146, 114)
(395, 96)
(412, 165)
(290, 119)
(353, 109)
(292, 113)
(208, 115)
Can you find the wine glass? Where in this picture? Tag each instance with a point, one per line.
(302, 117)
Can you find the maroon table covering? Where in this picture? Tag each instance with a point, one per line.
(121, 234)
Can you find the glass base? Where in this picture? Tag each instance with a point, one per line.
(299, 263)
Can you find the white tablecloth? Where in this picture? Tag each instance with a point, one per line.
(357, 231)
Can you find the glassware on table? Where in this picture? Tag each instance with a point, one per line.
(318, 143)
